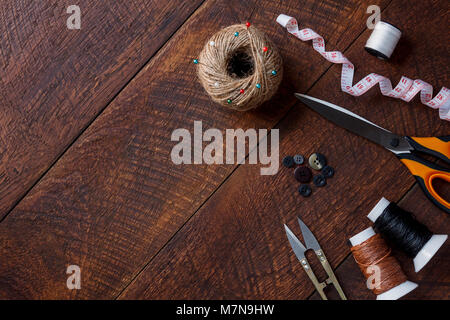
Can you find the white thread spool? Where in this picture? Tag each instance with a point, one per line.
(383, 40)
(396, 292)
(429, 249)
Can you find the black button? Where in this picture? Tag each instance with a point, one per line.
(317, 161)
(319, 180)
(303, 174)
(305, 190)
(328, 171)
(288, 161)
(298, 159)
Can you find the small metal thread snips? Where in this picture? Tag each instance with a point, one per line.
(311, 243)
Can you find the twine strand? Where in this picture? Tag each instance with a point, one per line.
(240, 92)
(375, 252)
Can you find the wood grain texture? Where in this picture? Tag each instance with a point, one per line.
(115, 198)
(54, 81)
(235, 246)
(433, 279)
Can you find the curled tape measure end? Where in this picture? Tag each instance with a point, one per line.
(283, 20)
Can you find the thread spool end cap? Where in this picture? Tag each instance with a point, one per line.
(362, 236)
(378, 209)
(398, 291)
(428, 251)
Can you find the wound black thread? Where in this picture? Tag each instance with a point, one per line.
(402, 230)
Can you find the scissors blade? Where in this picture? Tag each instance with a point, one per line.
(357, 124)
(308, 236)
(297, 246)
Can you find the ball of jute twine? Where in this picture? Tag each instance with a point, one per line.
(240, 67)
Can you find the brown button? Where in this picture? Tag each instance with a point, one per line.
(303, 174)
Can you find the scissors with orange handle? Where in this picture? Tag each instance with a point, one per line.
(405, 148)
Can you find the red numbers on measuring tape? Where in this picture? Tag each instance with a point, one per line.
(406, 89)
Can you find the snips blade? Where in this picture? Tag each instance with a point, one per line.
(297, 246)
(357, 124)
(308, 236)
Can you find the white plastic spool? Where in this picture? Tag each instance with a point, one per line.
(383, 40)
(429, 249)
(396, 292)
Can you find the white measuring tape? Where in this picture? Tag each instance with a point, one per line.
(406, 89)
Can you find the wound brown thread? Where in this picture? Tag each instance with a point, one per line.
(375, 252)
(240, 67)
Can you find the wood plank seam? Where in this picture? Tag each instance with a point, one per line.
(406, 192)
(134, 216)
(98, 114)
(175, 233)
(410, 190)
(35, 61)
(238, 165)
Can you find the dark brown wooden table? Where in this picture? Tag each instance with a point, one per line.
(85, 172)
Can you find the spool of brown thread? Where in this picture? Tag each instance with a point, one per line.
(240, 67)
(369, 249)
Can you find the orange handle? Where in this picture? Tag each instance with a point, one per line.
(435, 146)
(425, 172)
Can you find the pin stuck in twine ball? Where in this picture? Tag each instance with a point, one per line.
(240, 67)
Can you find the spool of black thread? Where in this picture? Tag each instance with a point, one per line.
(400, 228)
(403, 231)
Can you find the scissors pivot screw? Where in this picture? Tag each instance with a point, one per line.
(395, 142)
(407, 149)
